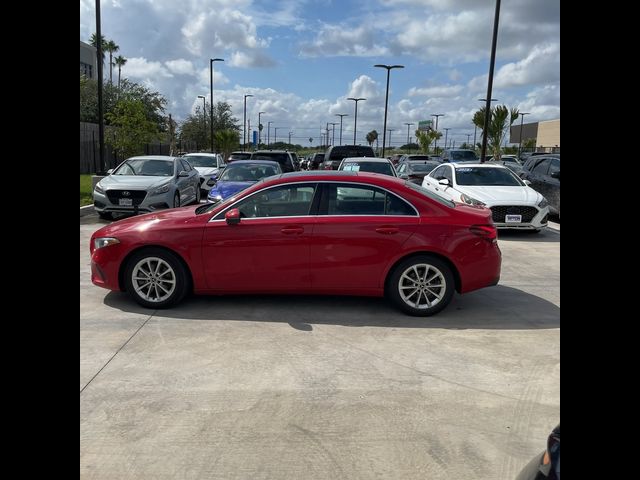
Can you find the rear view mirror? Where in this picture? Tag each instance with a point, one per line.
(110, 171)
(444, 182)
(555, 174)
(183, 173)
(527, 183)
(232, 217)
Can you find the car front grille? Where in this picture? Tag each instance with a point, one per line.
(136, 195)
(499, 212)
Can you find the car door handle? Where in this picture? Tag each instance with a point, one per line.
(387, 230)
(292, 230)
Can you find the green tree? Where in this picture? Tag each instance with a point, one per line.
(111, 47)
(227, 141)
(500, 120)
(93, 40)
(120, 62)
(426, 138)
(371, 137)
(529, 144)
(133, 128)
(197, 127)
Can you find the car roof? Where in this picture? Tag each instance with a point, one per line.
(272, 151)
(253, 162)
(474, 164)
(201, 154)
(366, 159)
(152, 157)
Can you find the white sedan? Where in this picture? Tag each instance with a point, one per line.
(207, 165)
(514, 204)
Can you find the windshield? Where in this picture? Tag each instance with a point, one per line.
(462, 155)
(487, 176)
(281, 158)
(146, 167)
(248, 173)
(374, 167)
(202, 161)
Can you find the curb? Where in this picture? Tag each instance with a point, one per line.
(86, 210)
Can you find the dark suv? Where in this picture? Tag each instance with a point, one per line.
(283, 157)
(316, 161)
(543, 171)
(334, 154)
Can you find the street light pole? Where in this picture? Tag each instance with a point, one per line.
(446, 134)
(275, 135)
(327, 130)
(408, 127)
(333, 138)
(437, 115)
(211, 60)
(341, 115)
(355, 120)
(522, 114)
(244, 123)
(204, 117)
(269, 133)
(492, 64)
(468, 135)
(100, 103)
(290, 138)
(389, 130)
(259, 129)
(386, 101)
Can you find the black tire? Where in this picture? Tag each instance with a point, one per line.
(198, 195)
(156, 260)
(438, 296)
(105, 215)
(176, 200)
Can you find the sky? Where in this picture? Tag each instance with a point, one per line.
(302, 59)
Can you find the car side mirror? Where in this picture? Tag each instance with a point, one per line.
(183, 173)
(527, 183)
(555, 174)
(444, 182)
(110, 171)
(232, 216)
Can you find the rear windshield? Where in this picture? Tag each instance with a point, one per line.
(281, 158)
(423, 167)
(462, 155)
(355, 151)
(374, 167)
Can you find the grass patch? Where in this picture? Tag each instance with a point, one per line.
(85, 190)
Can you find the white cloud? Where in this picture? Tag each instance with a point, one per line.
(438, 91)
(342, 40)
(141, 68)
(253, 58)
(542, 65)
(180, 67)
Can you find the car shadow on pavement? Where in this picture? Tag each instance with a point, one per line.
(547, 235)
(496, 307)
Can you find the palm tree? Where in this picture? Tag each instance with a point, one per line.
(120, 61)
(371, 137)
(226, 141)
(94, 42)
(111, 47)
(500, 120)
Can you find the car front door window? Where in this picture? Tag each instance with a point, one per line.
(283, 201)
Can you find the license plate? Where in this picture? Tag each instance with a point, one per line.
(128, 202)
(513, 219)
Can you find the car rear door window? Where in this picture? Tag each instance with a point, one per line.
(349, 199)
(555, 166)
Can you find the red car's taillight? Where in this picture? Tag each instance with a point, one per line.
(487, 231)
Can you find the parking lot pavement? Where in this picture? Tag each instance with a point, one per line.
(280, 387)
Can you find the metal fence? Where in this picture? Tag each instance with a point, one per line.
(90, 149)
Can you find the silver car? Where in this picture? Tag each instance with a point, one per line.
(146, 184)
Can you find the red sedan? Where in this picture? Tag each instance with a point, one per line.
(335, 233)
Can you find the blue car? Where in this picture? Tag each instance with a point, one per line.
(239, 175)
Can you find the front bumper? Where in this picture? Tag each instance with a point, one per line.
(143, 204)
(532, 217)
